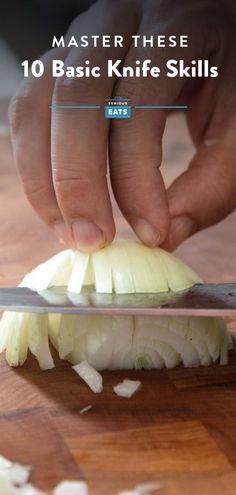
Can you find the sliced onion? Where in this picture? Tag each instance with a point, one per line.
(90, 376)
(18, 474)
(122, 277)
(71, 488)
(144, 489)
(29, 490)
(102, 273)
(78, 272)
(127, 388)
(38, 340)
(6, 486)
(178, 275)
(85, 409)
(49, 273)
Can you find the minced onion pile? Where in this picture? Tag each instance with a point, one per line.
(14, 480)
(114, 342)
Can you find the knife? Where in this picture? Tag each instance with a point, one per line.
(199, 300)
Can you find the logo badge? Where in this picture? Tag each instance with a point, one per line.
(118, 108)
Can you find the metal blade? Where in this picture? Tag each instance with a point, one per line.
(200, 300)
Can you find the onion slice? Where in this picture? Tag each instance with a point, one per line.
(78, 273)
(17, 474)
(127, 388)
(71, 488)
(90, 376)
(144, 489)
(29, 490)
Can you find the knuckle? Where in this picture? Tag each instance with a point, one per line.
(20, 106)
(129, 89)
(36, 191)
(67, 186)
(71, 193)
(74, 90)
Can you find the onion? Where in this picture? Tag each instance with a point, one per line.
(14, 478)
(29, 490)
(124, 267)
(85, 409)
(71, 488)
(127, 388)
(6, 486)
(113, 342)
(16, 473)
(144, 489)
(90, 376)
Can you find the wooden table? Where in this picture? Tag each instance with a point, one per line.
(180, 428)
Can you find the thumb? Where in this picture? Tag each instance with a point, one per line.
(205, 193)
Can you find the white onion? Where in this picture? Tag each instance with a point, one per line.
(144, 489)
(124, 267)
(118, 342)
(85, 409)
(90, 376)
(71, 488)
(6, 486)
(17, 474)
(78, 273)
(29, 490)
(127, 388)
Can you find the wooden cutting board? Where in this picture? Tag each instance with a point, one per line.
(180, 428)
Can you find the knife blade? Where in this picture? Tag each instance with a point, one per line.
(199, 300)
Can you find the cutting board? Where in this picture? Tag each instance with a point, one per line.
(180, 428)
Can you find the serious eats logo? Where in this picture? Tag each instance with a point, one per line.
(118, 108)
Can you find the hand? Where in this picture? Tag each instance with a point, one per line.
(62, 155)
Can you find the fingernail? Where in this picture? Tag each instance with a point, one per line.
(146, 232)
(87, 235)
(61, 232)
(181, 228)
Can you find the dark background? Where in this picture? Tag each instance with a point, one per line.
(28, 25)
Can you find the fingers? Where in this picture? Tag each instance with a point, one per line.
(136, 179)
(79, 156)
(65, 177)
(136, 153)
(205, 194)
(79, 139)
(30, 121)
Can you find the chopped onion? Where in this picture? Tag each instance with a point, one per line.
(144, 489)
(85, 409)
(71, 488)
(19, 474)
(90, 376)
(38, 340)
(6, 486)
(29, 490)
(16, 473)
(148, 488)
(129, 492)
(5, 463)
(14, 478)
(127, 388)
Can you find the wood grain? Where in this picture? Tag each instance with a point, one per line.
(179, 429)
